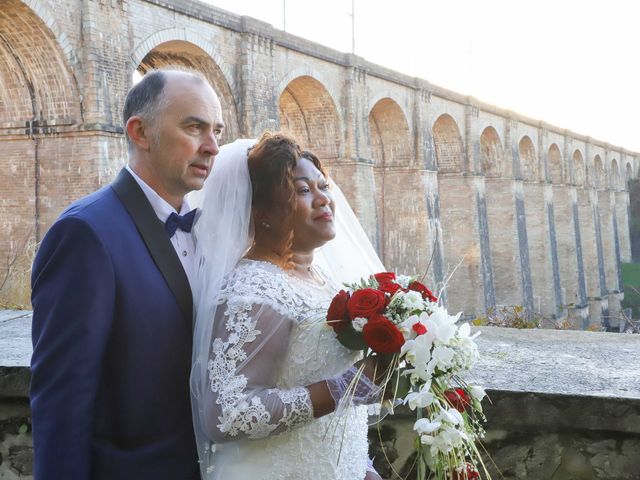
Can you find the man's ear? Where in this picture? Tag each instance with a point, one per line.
(139, 132)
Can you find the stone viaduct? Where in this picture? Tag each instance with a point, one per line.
(503, 209)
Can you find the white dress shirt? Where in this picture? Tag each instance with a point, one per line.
(183, 242)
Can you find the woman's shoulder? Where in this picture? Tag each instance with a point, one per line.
(259, 282)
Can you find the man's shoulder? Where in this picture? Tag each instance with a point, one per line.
(98, 205)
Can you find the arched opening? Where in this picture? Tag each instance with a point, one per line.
(449, 146)
(183, 55)
(628, 175)
(528, 160)
(460, 237)
(555, 165)
(614, 180)
(308, 111)
(491, 154)
(391, 141)
(578, 169)
(40, 111)
(401, 211)
(598, 173)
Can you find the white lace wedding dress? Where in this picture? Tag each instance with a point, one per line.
(269, 343)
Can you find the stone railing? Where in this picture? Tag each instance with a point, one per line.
(562, 405)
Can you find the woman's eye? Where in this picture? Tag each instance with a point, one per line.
(326, 186)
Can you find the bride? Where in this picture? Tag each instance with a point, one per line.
(268, 375)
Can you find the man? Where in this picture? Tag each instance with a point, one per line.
(112, 304)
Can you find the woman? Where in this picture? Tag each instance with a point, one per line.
(268, 374)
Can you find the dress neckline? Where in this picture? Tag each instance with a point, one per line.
(319, 286)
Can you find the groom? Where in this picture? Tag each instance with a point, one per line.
(112, 304)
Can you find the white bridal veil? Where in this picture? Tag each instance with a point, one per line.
(224, 232)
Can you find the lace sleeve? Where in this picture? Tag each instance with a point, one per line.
(251, 340)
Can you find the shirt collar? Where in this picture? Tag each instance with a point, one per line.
(162, 208)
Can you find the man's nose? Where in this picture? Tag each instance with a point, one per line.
(210, 146)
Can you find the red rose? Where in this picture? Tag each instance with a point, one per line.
(337, 315)
(382, 335)
(458, 399)
(365, 303)
(388, 287)
(419, 328)
(385, 277)
(469, 472)
(424, 291)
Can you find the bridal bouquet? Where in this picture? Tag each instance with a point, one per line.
(397, 315)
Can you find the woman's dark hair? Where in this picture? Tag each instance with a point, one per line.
(271, 163)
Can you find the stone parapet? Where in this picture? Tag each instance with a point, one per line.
(562, 404)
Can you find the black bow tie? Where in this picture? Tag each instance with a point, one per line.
(183, 222)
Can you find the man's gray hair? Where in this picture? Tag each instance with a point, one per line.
(145, 99)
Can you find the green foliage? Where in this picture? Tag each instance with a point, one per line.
(514, 316)
(351, 339)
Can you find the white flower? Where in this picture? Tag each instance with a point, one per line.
(403, 280)
(412, 301)
(441, 326)
(450, 415)
(358, 323)
(442, 358)
(406, 327)
(420, 399)
(477, 392)
(425, 426)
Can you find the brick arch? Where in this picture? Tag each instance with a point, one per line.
(554, 158)
(578, 168)
(628, 174)
(528, 160)
(185, 55)
(614, 175)
(307, 71)
(181, 34)
(308, 111)
(492, 153)
(44, 12)
(448, 143)
(598, 173)
(391, 142)
(373, 101)
(37, 83)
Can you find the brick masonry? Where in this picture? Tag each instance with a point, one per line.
(504, 209)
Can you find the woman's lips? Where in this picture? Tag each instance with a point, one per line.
(325, 217)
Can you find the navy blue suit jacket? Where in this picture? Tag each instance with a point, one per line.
(112, 346)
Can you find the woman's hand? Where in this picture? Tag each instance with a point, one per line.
(377, 367)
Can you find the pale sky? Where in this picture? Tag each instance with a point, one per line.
(574, 64)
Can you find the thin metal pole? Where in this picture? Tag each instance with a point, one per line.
(284, 15)
(353, 27)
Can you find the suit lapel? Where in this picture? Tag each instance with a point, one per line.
(156, 239)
